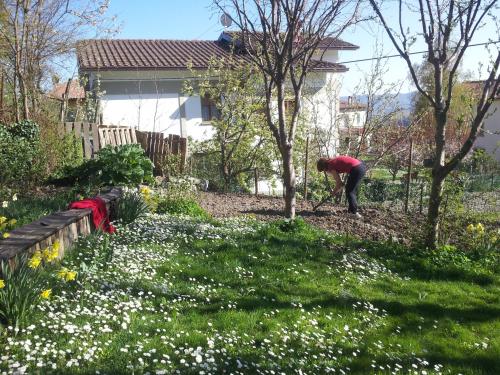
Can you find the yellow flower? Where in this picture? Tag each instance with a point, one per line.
(56, 245)
(62, 273)
(70, 275)
(480, 228)
(12, 222)
(2, 284)
(51, 255)
(471, 228)
(6, 235)
(46, 293)
(46, 253)
(35, 260)
(3, 219)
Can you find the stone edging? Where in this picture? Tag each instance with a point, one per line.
(63, 226)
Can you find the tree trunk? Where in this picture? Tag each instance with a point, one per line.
(432, 238)
(289, 182)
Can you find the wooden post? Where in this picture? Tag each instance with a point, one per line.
(421, 203)
(256, 179)
(1, 92)
(306, 166)
(408, 181)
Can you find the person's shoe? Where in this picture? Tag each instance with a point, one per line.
(355, 215)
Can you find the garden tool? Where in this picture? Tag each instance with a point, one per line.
(324, 200)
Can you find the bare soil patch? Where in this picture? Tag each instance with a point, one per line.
(376, 224)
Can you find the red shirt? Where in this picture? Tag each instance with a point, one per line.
(342, 164)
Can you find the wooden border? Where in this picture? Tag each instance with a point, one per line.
(63, 226)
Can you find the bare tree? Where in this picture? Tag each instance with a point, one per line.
(448, 28)
(280, 37)
(37, 35)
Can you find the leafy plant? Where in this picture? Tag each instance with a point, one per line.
(179, 205)
(130, 207)
(120, 165)
(20, 292)
(124, 165)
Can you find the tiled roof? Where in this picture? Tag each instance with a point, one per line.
(132, 54)
(326, 43)
(352, 106)
(129, 54)
(477, 87)
(75, 91)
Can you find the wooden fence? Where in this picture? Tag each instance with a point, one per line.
(157, 147)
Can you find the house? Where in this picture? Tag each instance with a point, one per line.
(489, 137)
(71, 96)
(351, 122)
(139, 82)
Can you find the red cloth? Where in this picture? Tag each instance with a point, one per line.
(99, 213)
(343, 164)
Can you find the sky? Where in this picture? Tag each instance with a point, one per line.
(198, 19)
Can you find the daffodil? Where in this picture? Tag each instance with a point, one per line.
(6, 235)
(5, 204)
(56, 245)
(46, 293)
(62, 273)
(2, 284)
(12, 222)
(480, 228)
(471, 228)
(35, 260)
(14, 197)
(70, 276)
(51, 254)
(3, 219)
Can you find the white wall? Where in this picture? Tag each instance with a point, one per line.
(146, 112)
(490, 140)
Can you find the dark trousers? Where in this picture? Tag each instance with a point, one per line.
(352, 185)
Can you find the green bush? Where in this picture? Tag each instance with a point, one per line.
(21, 159)
(180, 206)
(121, 165)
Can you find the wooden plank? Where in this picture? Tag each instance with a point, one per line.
(95, 139)
(103, 140)
(87, 147)
(133, 137)
(126, 135)
(183, 153)
(69, 127)
(175, 144)
(112, 137)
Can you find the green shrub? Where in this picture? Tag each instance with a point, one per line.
(120, 165)
(130, 207)
(21, 159)
(180, 205)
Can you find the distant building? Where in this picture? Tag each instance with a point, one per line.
(351, 122)
(489, 137)
(73, 96)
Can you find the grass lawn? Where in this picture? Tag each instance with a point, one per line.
(30, 208)
(181, 295)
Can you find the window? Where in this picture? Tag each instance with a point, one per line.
(209, 109)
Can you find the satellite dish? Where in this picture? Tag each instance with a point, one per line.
(225, 20)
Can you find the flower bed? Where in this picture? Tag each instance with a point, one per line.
(174, 294)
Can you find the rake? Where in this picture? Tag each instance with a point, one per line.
(327, 198)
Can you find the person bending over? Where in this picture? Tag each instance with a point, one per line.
(345, 164)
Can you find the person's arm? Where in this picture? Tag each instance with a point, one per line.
(338, 182)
